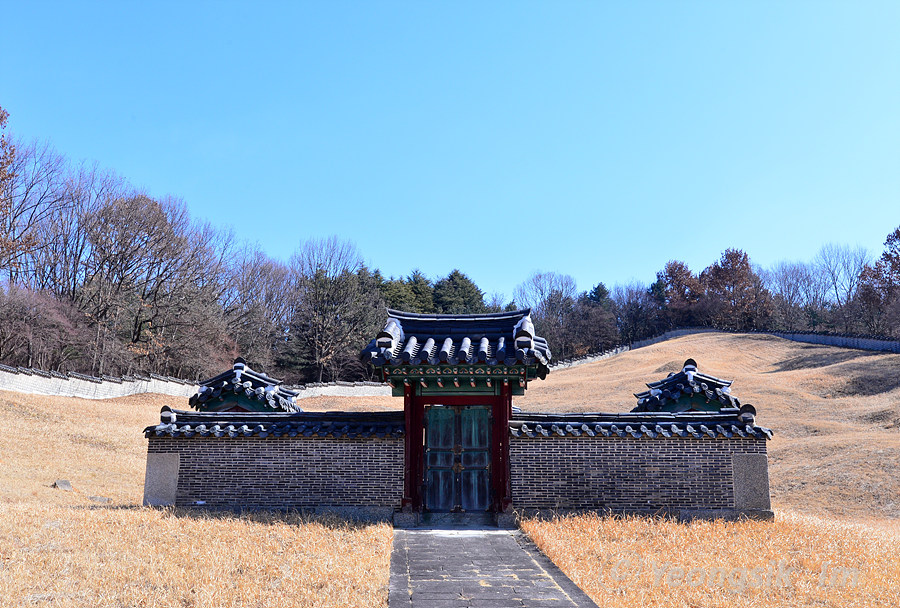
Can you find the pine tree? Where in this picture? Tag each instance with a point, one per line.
(457, 294)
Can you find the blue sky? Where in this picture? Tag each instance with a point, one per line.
(596, 139)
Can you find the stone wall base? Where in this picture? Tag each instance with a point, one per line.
(674, 514)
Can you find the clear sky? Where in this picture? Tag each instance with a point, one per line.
(598, 139)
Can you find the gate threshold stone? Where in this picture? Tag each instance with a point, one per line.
(476, 567)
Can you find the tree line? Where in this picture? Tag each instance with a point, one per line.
(98, 277)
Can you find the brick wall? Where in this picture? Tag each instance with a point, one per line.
(683, 475)
(286, 472)
(634, 474)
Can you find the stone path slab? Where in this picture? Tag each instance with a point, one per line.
(481, 568)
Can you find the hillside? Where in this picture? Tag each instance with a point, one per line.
(835, 413)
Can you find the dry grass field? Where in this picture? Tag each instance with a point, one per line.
(65, 549)
(835, 489)
(796, 561)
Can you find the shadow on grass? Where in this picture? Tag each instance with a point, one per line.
(294, 517)
(821, 359)
(869, 378)
(866, 373)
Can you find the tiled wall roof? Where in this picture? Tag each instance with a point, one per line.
(727, 424)
(176, 423)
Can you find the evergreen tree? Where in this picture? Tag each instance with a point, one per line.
(398, 295)
(457, 294)
(422, 292)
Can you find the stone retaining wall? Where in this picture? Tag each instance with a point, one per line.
(36, 382)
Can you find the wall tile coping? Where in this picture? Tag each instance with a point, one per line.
(179, 423)
(728, 423)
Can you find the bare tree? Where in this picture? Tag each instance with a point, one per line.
(59, 265)
(496, 302)
(842, 266)
(33, 187)
(37, 330)
(336, 306)
(551, 296)
(786, 282)
(538, 289)
(257, 307)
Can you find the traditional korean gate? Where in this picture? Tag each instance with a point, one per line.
(458, 458)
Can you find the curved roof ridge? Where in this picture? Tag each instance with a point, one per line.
(486, 316)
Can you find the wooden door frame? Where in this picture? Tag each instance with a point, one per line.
(414, 442)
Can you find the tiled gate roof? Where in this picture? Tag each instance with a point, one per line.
(505, 338)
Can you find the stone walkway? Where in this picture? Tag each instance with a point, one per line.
(476, 568)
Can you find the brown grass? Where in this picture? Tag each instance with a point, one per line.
(63, 549)
(833, 472)
(626, 562)
(327, 403)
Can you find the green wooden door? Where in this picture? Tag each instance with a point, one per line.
(458, 458)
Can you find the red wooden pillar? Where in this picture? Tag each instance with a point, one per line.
(414, 412)
(502, 409)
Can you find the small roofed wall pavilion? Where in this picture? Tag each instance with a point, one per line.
(242, 389)
(689, 391)
(457, 375)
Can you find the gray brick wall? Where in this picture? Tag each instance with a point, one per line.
(286, 472)
(546, 473)
(625, 474)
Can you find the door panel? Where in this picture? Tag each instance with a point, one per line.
(439, 460)
(439, 428)
(475, 490)
(439, 490)
(475, 432)
(440, 435)
(457, 458)
(471, 460)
